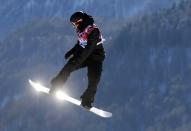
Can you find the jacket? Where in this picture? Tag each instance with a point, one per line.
(91, 51)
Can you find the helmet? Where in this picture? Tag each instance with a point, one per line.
(81, 20)
(77, 16)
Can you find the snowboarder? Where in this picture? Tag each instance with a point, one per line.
(87, 52)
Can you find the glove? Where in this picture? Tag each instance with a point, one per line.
(67, 55)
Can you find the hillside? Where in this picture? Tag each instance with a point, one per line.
(145, 84)
(15, 13)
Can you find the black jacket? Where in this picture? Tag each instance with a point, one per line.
(92, 51)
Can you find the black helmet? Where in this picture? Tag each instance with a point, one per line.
(83, 18)
(76, 16)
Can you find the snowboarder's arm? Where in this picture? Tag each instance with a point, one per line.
(71, 51)
(92, 41)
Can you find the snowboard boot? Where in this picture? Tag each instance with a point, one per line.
(55, 86)
(53, 90)
(86, 103)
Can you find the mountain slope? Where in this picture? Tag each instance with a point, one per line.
(145, 82)
(151, 71)
(15, 13)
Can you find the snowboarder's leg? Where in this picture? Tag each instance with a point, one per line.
(63, 75)
(94, 74)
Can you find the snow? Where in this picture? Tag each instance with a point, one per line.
(30, 4)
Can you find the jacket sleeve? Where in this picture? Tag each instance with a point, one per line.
(92, 41)
(73, 50)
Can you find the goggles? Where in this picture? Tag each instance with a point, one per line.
(77, 23)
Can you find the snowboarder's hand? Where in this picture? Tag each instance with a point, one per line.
(68, 55)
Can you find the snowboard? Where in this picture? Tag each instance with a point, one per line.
(62, 96)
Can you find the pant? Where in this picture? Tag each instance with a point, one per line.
(94, 73)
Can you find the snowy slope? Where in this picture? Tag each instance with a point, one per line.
(145, 82)
(15, 13)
